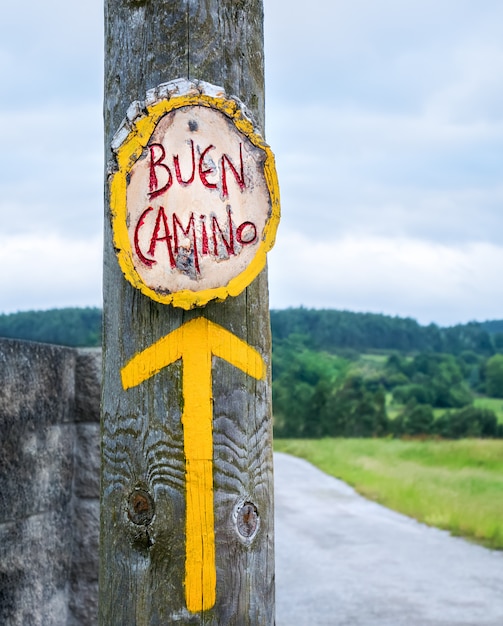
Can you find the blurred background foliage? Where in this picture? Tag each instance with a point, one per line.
(345, 374)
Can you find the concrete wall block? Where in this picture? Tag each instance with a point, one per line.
(87, 461)
(83, 604)
(37, 381)
(36, 468)
(36, 404)
(84, 574)
(35, 569)
(87, 385)
(49, 471)
(86, 523)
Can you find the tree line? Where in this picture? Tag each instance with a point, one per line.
(331, 330)
(338, 373)
(76, 327)
(322, 329)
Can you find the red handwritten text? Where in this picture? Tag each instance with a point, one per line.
(156, 235)
(201, 162)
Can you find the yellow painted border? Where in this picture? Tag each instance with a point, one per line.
(127, 155)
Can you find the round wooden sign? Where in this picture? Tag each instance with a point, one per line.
(195, 198)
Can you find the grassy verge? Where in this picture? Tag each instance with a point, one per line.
(454, 485)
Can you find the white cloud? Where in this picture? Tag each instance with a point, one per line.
(54, 50)
(41, 272)
(347, 171)
(53, 176)
(396, 276)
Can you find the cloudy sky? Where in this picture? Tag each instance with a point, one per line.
(386, 118)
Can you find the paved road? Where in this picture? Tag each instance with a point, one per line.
(344, 561)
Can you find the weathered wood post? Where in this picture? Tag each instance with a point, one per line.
(191, 210)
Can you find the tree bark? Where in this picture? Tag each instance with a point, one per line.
(142, 559)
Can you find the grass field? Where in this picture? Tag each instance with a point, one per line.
(454, 485)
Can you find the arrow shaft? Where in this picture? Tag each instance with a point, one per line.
(197, 420)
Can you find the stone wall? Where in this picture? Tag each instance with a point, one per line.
(49, 484)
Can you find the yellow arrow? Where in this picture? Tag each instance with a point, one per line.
(196, 342)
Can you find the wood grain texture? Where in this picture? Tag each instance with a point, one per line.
(142, 566)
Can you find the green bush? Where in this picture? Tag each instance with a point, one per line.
(421, 394)
(354, 409)
(415, 419)
(467, 422)
(494, 376)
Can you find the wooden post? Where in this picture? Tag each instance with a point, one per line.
(186, 485)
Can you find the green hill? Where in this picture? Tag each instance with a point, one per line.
(332, 330)
(320, 329)
(65, 327)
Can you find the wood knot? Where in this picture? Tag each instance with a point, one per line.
(247, 520)
(141, 507)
